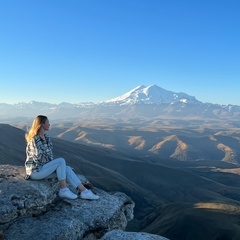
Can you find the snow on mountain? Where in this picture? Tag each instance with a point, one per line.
(148, 102)
(34, 105)
(151, 95)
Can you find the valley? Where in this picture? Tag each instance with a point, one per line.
(175, 197)
(179, 143)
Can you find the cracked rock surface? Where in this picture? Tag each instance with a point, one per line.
(32, 209)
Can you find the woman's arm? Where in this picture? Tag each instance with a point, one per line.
(32, 160)
(33, 151)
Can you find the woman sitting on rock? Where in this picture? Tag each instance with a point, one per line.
(41, 164)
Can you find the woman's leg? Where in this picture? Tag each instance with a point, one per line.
(58, 165)
(45, 171)
(61, 172)
(76, 183)
(71, 177)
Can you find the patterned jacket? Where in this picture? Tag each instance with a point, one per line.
(38, 152)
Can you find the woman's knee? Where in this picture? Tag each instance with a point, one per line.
(61, 161)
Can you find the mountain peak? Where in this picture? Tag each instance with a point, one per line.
(152, 94)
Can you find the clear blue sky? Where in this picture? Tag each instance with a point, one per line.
(94, 50)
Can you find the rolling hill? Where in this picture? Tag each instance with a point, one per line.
(177, 199)
(184, 144)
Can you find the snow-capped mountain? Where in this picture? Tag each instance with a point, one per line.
(151, 95)
(141, 102)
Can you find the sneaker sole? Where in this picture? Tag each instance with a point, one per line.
(68, 197)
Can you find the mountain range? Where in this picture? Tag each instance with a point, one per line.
(140, 103)
(144, 121)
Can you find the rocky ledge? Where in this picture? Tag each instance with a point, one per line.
(32, 209)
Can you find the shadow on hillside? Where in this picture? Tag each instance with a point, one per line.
(200, 221)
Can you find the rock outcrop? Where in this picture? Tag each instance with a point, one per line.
(121, 235)
(32, 209)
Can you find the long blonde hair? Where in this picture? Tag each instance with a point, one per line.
(36, 125)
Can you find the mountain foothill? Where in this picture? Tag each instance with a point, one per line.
(181, 170)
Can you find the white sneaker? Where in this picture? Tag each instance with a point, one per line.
(66, 193)
(88, 195)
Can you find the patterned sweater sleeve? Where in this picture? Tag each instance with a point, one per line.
(34, 155)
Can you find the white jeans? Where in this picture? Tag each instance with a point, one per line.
(58, 167)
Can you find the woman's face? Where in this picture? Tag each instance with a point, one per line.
(46, 125)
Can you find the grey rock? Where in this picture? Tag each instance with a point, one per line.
(33, 209)
(21, 197)
(121, 235)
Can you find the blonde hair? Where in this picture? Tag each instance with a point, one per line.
(36, 125)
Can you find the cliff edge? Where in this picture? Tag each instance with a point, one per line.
(33, 209)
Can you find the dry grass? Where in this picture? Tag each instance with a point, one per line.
(219, 207)
(180, 143)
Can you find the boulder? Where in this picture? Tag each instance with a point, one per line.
(32, 209)
(119, 234)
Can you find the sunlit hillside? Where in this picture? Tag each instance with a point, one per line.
(176, 199)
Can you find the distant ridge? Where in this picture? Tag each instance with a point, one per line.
(145, 94)
(141, 102)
